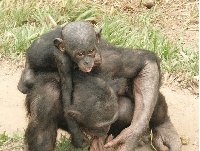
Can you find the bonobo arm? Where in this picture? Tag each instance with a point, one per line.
(146, 87)
(64, 68)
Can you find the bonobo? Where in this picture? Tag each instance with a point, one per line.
(141, 68)
(79, 50)
(79, 46)
(165, 136)
(95, 108)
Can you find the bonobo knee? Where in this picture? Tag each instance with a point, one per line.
(125, 110)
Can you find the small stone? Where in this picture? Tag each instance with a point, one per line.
(185, 140)
(148, 3)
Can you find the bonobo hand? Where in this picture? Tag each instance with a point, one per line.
(125, 141)
(98, 144)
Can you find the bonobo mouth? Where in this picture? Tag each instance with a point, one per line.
(100, 129)
(85, 69)
(97, 132)
(103, 124)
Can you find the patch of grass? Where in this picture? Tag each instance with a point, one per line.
(121, 31)
(64, 144)
(14, 142)
(3, 138)
(21, 21)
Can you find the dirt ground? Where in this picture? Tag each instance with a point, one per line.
(177, 19)
(183, 107)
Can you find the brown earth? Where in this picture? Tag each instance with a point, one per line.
(183, 107)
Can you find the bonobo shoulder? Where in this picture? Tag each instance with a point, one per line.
(55, 32)
(45, 40)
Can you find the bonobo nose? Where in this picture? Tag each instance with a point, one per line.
(86, 63)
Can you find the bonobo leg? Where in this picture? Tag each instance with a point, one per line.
(165, 136)
(43, 108)
(26, 80)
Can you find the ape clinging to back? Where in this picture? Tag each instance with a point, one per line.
(44, 55)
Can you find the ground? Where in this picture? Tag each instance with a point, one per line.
(183, 107)
(177, 19)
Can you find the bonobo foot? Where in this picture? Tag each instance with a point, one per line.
(165, 137)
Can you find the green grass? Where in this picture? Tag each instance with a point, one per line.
(16, 142)
(64, 144)
(11, 142)
(21, 21)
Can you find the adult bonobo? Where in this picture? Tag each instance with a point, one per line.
(142, 69)
(80, 51)
(95, 108)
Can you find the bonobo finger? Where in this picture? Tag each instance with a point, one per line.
(101, 144)
(93, 146)
(113, 142)
(109, 138)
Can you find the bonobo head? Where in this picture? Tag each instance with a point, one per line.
(79, 40)
(95, 105)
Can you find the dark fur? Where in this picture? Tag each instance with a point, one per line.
(45, 112)
(45, 109)
(44, 55)
(141, 70)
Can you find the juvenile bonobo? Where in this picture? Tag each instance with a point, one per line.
(79, 50)
(95, 108)
(79, 46)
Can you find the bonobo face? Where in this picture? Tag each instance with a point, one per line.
(79, 40)
(85, 59)
(95, 105)
(93, 124)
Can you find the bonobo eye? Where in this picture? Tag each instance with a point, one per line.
(80, 54)
(92, 53)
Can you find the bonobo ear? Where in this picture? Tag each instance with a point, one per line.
(58, 42)
(74, 114)
(98, 34)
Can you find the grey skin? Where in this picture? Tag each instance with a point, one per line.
(43, 55)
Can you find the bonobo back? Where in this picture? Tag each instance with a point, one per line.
(40, 54)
